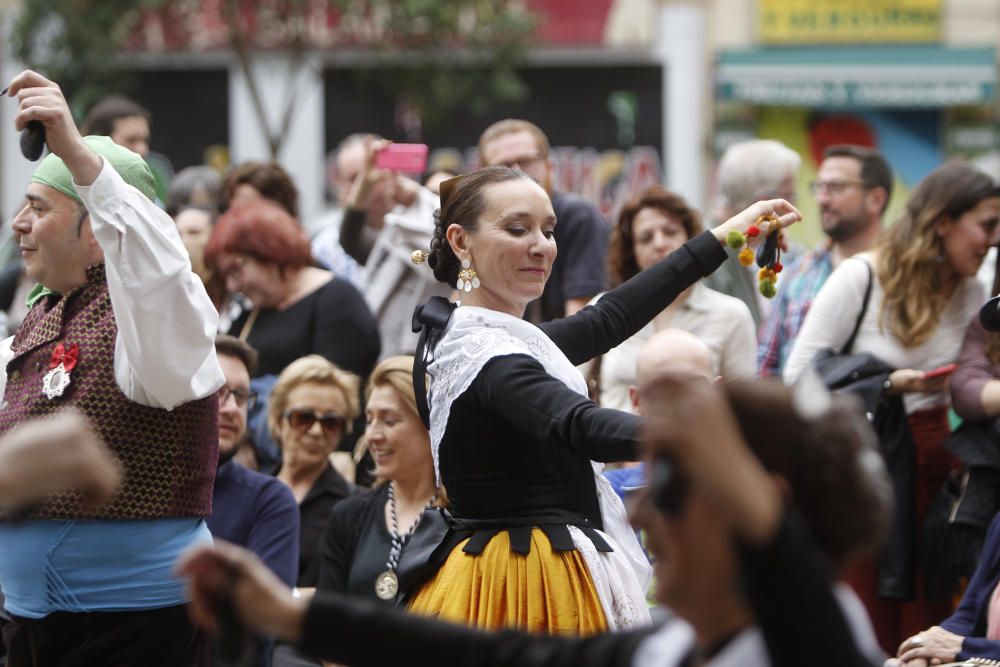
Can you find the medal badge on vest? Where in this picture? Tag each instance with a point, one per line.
(62, 362)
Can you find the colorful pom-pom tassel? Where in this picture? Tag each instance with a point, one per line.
(735, 239)
(746, 256)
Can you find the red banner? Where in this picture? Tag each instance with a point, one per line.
(202, 25)
(571, 22)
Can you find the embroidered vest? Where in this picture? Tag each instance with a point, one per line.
(168, 456)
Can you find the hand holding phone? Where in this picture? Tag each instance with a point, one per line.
(940, 371)
(403, 158)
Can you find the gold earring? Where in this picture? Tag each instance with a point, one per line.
(467, 278)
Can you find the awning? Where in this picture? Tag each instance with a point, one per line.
(865, 76)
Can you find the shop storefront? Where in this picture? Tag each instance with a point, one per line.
(838, 72)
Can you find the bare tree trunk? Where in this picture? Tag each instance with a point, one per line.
(242, 48)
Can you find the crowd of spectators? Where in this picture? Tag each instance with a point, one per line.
(328, 461)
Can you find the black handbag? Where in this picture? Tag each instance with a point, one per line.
(839, 369)
(424, 552)
(863, 375)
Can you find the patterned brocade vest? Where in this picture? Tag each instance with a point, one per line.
(168, 456)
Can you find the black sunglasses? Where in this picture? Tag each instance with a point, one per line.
(302, 420)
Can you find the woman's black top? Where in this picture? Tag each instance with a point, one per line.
(329, 489)
(332, 321)
(354, 549)
(355, 545)
(519, 442)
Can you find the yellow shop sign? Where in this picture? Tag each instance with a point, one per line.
(846, 21)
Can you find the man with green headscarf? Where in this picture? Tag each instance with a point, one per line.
(122, 330)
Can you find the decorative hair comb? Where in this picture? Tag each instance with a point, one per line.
(447, 187)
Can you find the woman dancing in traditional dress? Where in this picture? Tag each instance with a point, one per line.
(539, 541)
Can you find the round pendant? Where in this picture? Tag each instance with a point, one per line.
(387, 585)
(55, 382)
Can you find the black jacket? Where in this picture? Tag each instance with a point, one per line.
(864, 376)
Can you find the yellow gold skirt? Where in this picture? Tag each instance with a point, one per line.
(546, 591)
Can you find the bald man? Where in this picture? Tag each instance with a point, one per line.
(670, 352)
(667, 352)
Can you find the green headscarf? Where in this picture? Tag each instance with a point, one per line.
(133, 169)
(53, 172)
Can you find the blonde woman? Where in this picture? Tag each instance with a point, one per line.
(924, 293)
(312, 406)
(367, 535)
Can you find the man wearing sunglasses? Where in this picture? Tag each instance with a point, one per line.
(852, 190)
(250, 509)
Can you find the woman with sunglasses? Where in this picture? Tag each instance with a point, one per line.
(311, 408)
(367, 535)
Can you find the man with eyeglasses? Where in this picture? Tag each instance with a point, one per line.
(852, 190)
(579, 271)
(250, 509)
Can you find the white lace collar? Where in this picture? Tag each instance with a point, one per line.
(473, 337)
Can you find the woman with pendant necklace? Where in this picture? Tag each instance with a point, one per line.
(367, 536)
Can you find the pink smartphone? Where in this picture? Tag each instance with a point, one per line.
(405, 158)
(938, 372)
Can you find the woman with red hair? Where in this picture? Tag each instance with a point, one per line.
(298, 309)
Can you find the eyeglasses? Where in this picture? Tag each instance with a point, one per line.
(835, 187)
(522, 162)
(234, 267)
(242, 396)
(302, 420)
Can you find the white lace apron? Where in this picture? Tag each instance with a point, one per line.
(472, 338)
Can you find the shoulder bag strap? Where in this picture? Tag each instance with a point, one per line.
(430, 320)
(248, 325)
(849, 345)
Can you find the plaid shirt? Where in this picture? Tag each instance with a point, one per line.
(800, 283)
